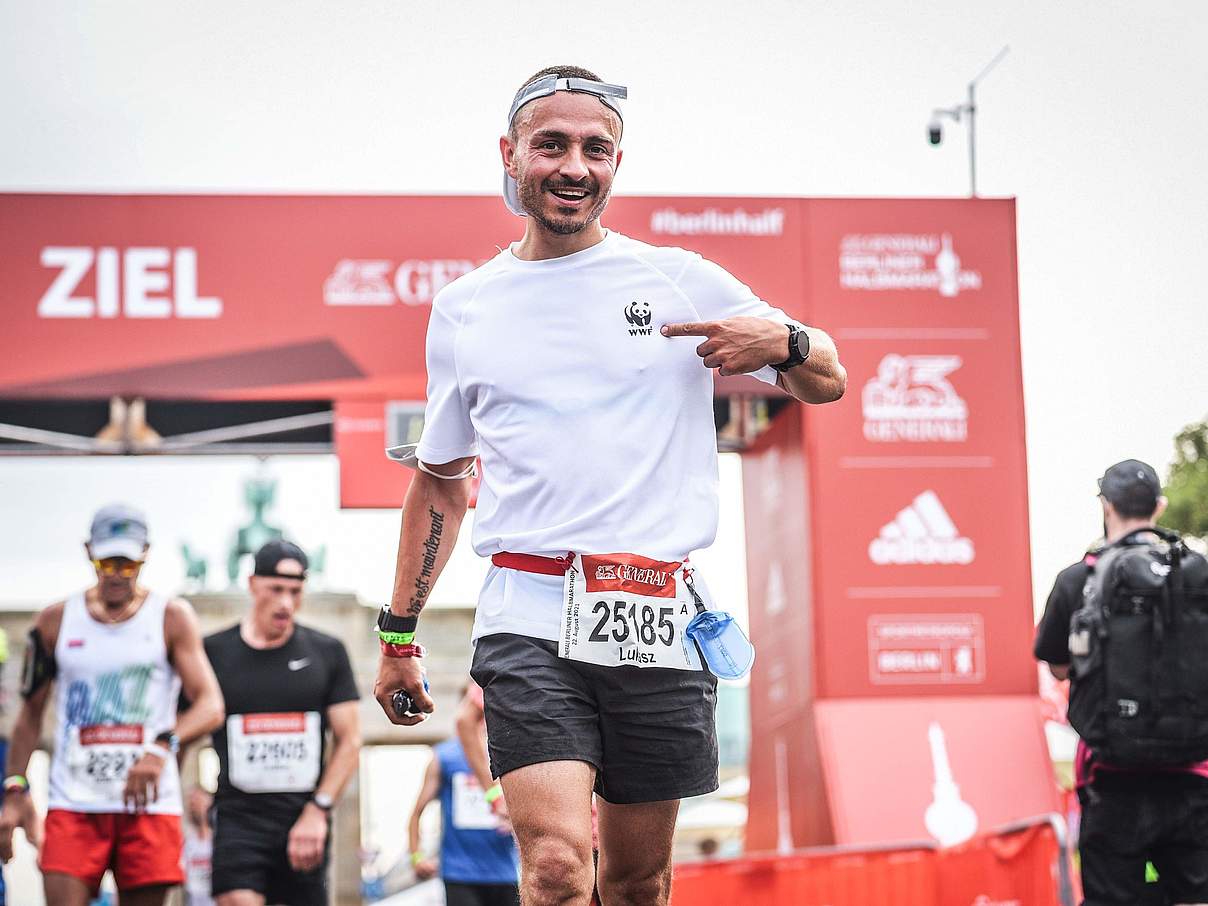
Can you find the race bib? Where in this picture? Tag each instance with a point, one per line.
(98, 759)
(623, 609)
(470, 808)
(274, 753)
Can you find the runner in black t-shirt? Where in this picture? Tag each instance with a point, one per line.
(285, 685)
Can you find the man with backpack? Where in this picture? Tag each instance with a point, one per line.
(1128, 625)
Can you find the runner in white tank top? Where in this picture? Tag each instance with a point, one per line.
(120, 655)
(115, 692)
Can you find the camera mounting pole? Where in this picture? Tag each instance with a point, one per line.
(969, 109)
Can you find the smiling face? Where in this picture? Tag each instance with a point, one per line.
(563, 153)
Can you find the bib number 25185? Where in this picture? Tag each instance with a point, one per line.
(624, 609)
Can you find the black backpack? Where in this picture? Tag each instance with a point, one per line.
(1139, 653)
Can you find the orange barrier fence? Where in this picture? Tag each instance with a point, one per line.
(1025, 864)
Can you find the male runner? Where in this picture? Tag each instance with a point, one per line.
(117, 655)
(285, 685)
(560, 363)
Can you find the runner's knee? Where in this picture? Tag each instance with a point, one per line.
(558, 870)
(641, 888)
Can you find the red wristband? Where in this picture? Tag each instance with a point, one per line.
(413, 650)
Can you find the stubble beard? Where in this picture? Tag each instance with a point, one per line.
(532, 200)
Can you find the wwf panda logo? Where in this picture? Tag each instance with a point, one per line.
(638, 314)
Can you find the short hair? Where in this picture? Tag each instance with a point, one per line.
(562, 72)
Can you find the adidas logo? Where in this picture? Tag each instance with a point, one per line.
(921, 533)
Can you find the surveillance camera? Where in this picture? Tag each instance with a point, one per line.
(935, 132)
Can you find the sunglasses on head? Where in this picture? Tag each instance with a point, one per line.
(118, 566)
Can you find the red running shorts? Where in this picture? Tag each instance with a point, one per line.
(142, 850)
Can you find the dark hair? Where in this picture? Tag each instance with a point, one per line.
(1135, 503)
(562, 72)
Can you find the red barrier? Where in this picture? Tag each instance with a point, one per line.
(1024, 865)
(1019, 865)
(830, 876)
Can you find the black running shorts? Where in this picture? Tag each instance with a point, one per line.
(250, 853)
(650, 732)
(458, 894)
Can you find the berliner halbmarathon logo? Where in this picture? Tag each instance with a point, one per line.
(911, 399)
(881, 262)
(923, 533)
(638, 315)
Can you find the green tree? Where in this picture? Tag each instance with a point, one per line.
(1187, 489)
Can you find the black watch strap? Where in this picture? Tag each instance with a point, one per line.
(799, 348)
(389, 622)
(322, 801)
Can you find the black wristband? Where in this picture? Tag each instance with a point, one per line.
(388, 622)
(797, 336)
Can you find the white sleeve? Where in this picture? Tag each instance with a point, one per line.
(716, 294)
(448, 432)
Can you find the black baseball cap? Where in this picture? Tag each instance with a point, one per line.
(271, 555)
(1132, 487)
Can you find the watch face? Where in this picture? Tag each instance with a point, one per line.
(801, 344)
(323, 801)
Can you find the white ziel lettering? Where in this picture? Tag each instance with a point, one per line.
(184, 282)
(141, 281)
(107, 283)
(57, 301)
(133, 282)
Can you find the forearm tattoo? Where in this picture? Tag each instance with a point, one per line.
(423, 582)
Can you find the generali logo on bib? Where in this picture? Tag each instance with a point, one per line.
(882, 262)
(111, 734)
(911, 399)
(629, 573)
(922, 533)
(356, 281)
(285, 722)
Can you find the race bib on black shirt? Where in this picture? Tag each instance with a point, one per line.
(272, 747)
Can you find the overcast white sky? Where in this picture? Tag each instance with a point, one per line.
(1094, 122)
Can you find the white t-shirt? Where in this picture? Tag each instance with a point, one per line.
(596, 432)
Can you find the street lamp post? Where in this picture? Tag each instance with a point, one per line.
(935, 129)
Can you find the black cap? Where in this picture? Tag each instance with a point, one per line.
(269, 556)
(1132, 487)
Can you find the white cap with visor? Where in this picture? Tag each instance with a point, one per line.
(609, 95)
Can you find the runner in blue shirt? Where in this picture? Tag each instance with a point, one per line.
(478, 860)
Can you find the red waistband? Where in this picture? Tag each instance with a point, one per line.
(531, 563)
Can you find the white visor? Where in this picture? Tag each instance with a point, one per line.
(609, 95)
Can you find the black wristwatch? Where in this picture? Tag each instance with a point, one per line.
(799, 348)
(169, 740)
(388, 622)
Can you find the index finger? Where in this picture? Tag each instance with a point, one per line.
(690, 329)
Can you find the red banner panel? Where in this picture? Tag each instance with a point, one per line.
(367, 477)
(960, 766)
(288, 297)
(921, 469)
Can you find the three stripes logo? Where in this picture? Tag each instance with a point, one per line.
(638, 315)
(922, 532)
